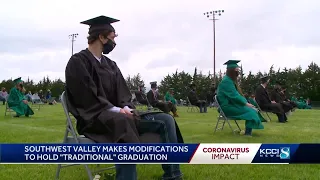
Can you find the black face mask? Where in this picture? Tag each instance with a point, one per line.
(108, 47)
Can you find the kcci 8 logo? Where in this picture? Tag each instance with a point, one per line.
(282, 153)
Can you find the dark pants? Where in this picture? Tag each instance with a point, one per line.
(202, 106)
(164, 125)
(3, 100)
(277, 109)
(166, 107)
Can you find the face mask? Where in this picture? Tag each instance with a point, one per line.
(108, 47)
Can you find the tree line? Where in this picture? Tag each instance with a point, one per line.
(299, 82)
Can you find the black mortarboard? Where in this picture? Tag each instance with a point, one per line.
(100, 24)
(264, 79)
(153, 84)
(232, 64)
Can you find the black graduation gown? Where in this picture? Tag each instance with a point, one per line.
(163, 106)
(276, 96)
(93, 88)
(264, 101)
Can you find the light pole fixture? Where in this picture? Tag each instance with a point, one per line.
(211, 15)
(73, 39)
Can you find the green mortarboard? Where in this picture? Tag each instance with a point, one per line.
(18, 80)
(154, 82)
(232, 64)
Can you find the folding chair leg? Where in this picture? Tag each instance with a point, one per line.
(58, 171)
(231, 127)
(268, 116)
(224, 122)
(237, 125)
(89, 172)
(216, 125)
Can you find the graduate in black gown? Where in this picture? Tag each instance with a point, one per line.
(98, 97)
(194, 100)
(153, 96)
(278, 98)
(266, 104)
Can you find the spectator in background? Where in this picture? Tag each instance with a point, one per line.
(17, 101)
(3, 95)
(194, 100)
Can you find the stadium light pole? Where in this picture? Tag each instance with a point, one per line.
(211, 15)
(73, 39)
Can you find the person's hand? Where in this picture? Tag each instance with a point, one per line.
(127, 111)
(273, 102)
(250, 105)
(122, 111)
(25, 101)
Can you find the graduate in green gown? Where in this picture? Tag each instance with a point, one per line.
(233, 103)
(17, 101)
(169, 97)
(301, 103)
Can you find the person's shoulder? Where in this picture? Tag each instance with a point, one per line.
(79, 56)
(111, 62)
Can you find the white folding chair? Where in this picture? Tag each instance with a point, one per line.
(36, 102)
(74, 138)
(222, 119)
(192, 108)
(8, 109)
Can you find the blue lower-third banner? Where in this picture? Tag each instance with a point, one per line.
(159, 153)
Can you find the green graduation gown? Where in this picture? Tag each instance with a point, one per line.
(300, 103)
(234, 105)
(168, 97)
(15, 103)
(253, 102)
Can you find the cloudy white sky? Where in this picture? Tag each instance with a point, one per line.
(158, 37)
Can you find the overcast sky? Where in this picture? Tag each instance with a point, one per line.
(158, 37)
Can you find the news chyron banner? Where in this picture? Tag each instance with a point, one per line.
(159, 153)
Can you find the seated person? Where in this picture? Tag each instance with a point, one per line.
(251, 100)
(278, 98)
(233, 103)
(40, 94)
(3, 95)
(300, 104)
(285, 98)
(17, 101)
(166, 107)
(211, 94)
(29, 96)
(304, 103)
(99, 98)
(169, 97)
(194, 100)
(266, 104)
(140, 96)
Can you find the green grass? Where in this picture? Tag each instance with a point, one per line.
(48, 125)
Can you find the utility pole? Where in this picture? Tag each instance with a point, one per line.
(73, 39)
(211, 15)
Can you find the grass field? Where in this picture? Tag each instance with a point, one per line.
(48, 125)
